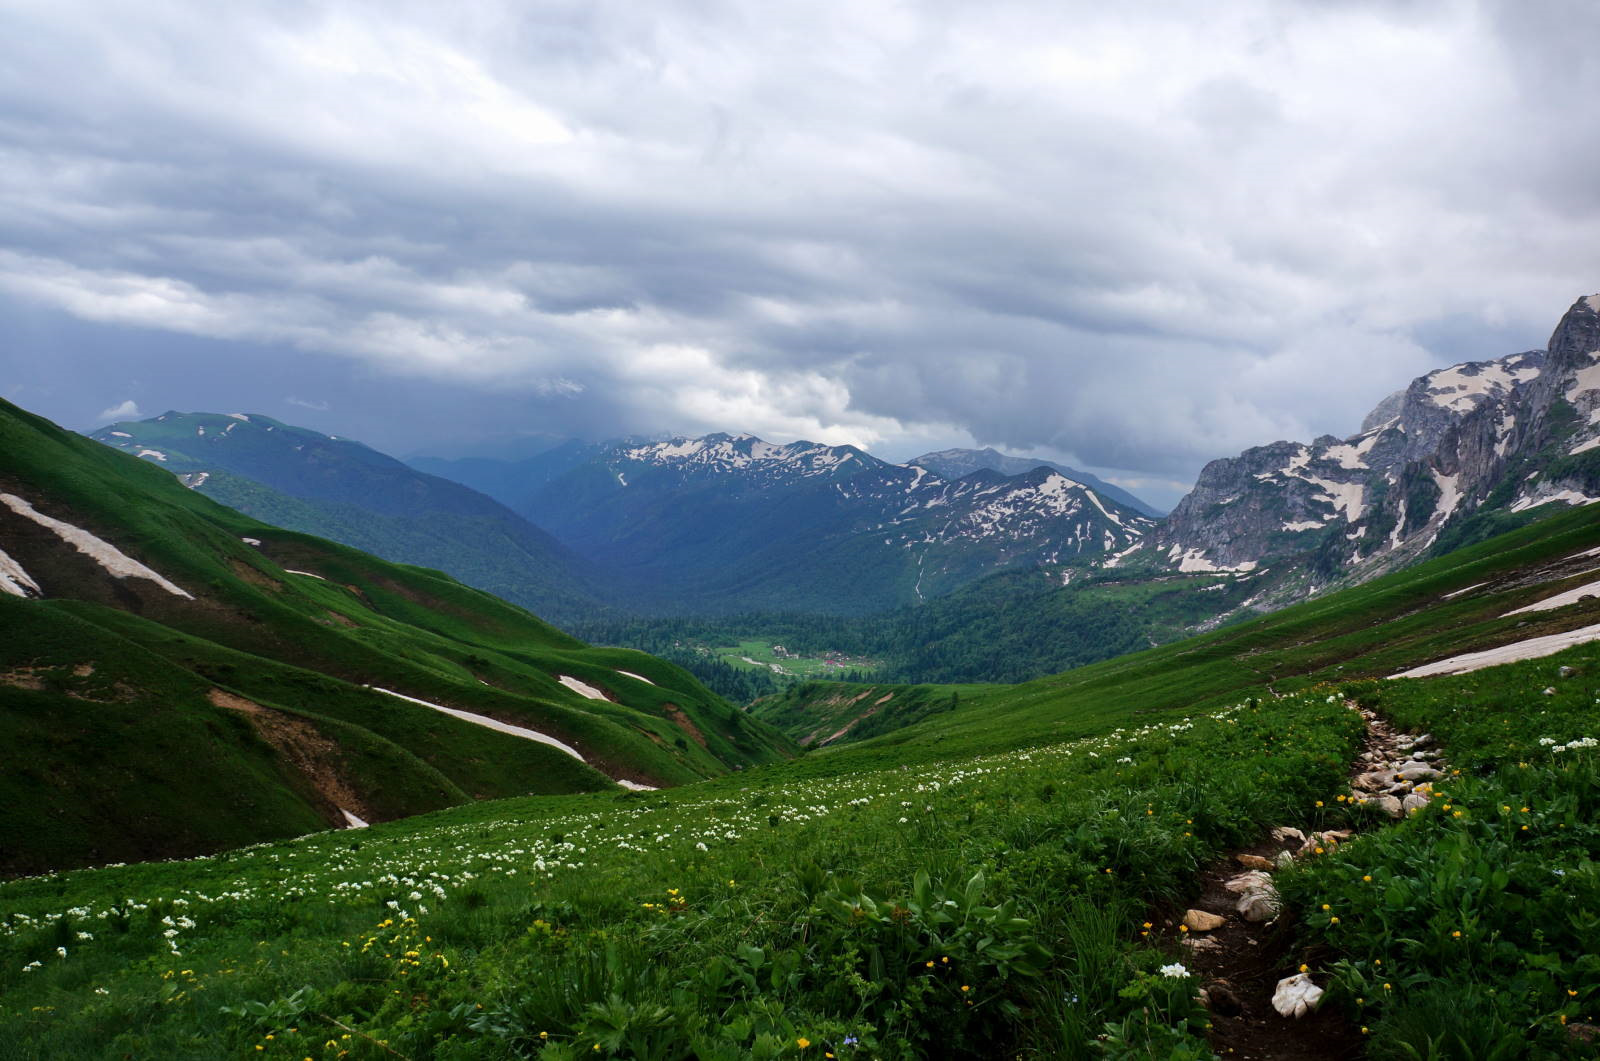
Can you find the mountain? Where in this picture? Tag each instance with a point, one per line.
(955, 463)
(177, 677)
(340, 489)
(730, 521)
(1462, 452)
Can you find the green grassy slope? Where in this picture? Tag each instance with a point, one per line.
(298, 626)
(1367, 631)
(990, 881)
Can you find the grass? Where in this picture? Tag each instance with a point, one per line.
(942, 910)
(800, 665)
(1485, 904)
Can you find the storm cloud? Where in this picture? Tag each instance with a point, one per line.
(1131, 238)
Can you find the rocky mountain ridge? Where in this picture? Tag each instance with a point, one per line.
(1500, 436)
(735, 511)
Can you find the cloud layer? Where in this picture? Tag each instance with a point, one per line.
(1132, 239)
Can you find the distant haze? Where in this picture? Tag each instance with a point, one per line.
(1124, 238)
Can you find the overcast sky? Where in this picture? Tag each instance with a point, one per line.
(1131, 237)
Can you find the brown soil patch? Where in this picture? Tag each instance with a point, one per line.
(254, 575)
(683, 722)
(342, 620)
(25, 678)
(317, 759)
(884, 699)
(83, 670)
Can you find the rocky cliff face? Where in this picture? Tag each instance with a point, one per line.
(1512, 434)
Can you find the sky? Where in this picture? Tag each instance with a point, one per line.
(1133, 238)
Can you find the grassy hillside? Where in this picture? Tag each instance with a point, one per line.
(998, 879)
(1368, 631)
(234, 704)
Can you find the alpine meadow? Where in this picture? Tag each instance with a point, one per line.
(864, 531)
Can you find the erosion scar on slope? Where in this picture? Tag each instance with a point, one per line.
(313, 755)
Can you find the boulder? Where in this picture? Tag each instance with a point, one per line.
(1286, 834)
(1391, 806)
(1414, 802)
(1202, 920)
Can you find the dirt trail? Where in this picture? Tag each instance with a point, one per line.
(1240, 963)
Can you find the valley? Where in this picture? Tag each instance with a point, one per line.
(981, 814)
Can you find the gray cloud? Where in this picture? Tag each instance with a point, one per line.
(1131, 239)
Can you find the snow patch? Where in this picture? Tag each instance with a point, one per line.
(1449, 495)
(634, 786)
(1560, 600)
(1350, 455)
(157, 454)
(14, 580)
(308, 574)
(635, 677)
(1533, 648)
(581, 688)
(1464, 589)
(1571, 497)
(108, 556)
(121, 434)
(1304, 525)
(351, 821)
(239, 416)
(1585, 379)
(252, 541)
(1195, 560)
(487, 722)
(1584, 446)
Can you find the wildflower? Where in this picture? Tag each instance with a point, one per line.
(1366, 878)
(964, 988)
(802, 1042)
(1176, 970)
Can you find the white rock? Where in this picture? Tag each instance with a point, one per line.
(1260, 903)
(1247, 882)
(1296, 996)
(1414, 802)
(1285, 834)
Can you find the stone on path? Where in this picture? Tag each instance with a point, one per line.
(1253, 861)
(1202, 921)
(1296, 996)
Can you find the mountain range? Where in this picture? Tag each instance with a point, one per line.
(720, 523)
(728, 523)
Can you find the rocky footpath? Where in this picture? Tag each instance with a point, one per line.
(1239, 943)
